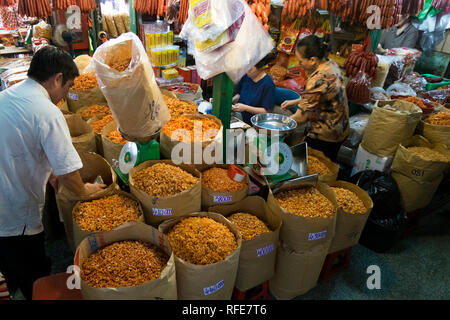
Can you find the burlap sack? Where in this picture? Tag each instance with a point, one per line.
(434, 133)
(165, 287)
(258, 255)
(93, 166)
(416, 195)
(330, 165)
(415, 167)
(86, 118)
(301, 233)
(111, 150)
(206, 282)
(349, 226)
(158, 209)
(215, 198)
(98, 136)
(296, 273)
(79, 99)
(386, 129)
(64, 106)
(79, 234)
(83, 138)
(191, 153)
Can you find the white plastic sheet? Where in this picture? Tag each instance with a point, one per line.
(133, 94)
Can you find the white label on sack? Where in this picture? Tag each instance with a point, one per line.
(73, 96)
(263, 251)
(214, 288)
(222, 199)
(161, 212)
(317, 235)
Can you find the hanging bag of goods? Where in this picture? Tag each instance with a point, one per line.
(218, 188)
(140, 254)
(166, 190)
(358, 88)
(260, 230)
(83, 137)
(418, 169)
(191, 137)
(363, 60)
(112, 142)
(126, 79)
(436, 127)
(206, 247)
(104, 214)
(308, 213)
(318, 163)
(391, 123)
(84, 92)
(354, 207)
(93, 166)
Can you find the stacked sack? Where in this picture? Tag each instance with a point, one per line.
(308, 212)
(391, 123)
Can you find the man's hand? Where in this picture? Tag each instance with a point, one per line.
(288, 104)
(91, 189)
(239, 107)
(53, 180)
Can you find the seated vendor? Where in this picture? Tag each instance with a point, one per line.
(255, 92)
(403, 34)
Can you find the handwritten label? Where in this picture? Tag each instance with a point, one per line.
(73, 96)
(317, 235)
(162, 212)
(263, 251)
(222, 199)
(214, 288)
(92, 239)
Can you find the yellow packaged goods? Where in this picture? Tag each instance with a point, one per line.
(179, 107)
(106, 213)
(85, 82)
(188, 132)
(248, 225)
(123, 264)
(98, 125)
(349, 201)
(164, 57)
(164, 39)
(428, 154)
(217, 179)
(201, 12)
(170, 38)
(95, 110)
(170, 74)
(163, 180)
(440, 119)
(317, 166)
(201, 240)
(116, 137)
(306, 202)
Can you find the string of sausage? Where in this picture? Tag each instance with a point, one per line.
(35, 8)
(7, 3)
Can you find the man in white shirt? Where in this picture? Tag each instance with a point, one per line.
(35, 145)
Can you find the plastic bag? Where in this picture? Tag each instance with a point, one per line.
(135, 100)
(414, 80)
(400, 89)
(358, 88)
(378, 93)
(296, 84)
(288, 38)
(252, 43)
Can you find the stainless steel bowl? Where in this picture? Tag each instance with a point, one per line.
(274, 122)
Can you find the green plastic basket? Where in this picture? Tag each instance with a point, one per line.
(433, 86)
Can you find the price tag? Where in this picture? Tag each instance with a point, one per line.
(317, 235)
(162, 212)
(214, 288)
(222, 199)
(73, 96)
(266, 250)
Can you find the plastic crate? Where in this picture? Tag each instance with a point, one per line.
(433, 86)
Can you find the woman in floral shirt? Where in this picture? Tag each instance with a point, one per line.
(323, 105)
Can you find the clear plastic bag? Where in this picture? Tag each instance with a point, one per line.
(252, 43)
(358, 88)
(378, 93)
(401, 89)
(415, 81)
(135, 100)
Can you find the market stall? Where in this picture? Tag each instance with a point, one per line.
(215, 205)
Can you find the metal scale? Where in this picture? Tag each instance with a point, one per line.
(292, 161)
(134, 152)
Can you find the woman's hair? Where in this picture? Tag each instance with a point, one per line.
(312, 46)
(266, 60)
(51, 60)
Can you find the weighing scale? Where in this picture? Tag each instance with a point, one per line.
(292, 161)
(134, 152)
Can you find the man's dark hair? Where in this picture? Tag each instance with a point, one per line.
(312, 46)
(51, 60)
(266, 60)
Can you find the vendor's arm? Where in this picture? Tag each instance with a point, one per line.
(73, 182)
(236, 99)
(290, 104)
(240, 107)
